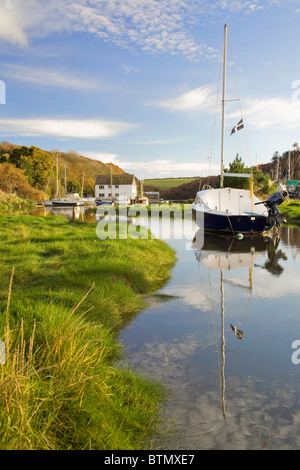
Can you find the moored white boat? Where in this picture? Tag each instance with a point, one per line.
(232, 210)
(68, 200)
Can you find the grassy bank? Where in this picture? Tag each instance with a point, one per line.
(64, 295)
(292, 209)
(10, 201)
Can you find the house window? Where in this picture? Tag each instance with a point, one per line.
(101, 186)
(116, 186)
(117, 194)
(101, 195)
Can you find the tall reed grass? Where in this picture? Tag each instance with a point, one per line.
(9, 201)
(60, 388)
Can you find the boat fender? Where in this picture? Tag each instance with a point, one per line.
(239, 236)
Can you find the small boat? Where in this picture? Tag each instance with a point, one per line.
(89, 200)
(47, 203)
(69, 201)
(231, 210)
(104, 201)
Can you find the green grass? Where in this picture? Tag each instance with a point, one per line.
(11, 201)
(64, 294)
(166, 183)
(292, 209)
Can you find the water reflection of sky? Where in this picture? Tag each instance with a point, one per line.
(178, 342)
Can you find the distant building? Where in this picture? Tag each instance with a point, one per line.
(121, 187)
(153, 196)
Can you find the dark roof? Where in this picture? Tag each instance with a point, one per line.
(116, 179)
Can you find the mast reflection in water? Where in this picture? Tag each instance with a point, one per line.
(222, 343)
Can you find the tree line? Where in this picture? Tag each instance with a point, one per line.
(36, 174)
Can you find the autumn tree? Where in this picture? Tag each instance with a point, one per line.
(14, 181)
(35, 162)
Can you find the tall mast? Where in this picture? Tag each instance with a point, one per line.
(111, 179)
(57, 175)
(223, 105)
(65, 178)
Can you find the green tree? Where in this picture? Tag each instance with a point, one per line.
(89, 187)
(262, 182)
(237, 166)
(73, 186)
(35, 162)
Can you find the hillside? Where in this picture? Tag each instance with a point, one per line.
(73, 168)
(166, 183)
(83, 169)
(280, 169)
(186, 191)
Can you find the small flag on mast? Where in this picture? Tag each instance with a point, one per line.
(238, 127)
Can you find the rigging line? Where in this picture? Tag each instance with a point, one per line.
(231, 243)
(230, 225)
(237, 91)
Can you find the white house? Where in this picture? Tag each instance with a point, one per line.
(123, 188)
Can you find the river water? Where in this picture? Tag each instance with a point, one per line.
(224, 337)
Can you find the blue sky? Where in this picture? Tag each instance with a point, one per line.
(136, 82)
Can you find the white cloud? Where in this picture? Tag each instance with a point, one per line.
(128, 69)
(166, 168)
(271, 112)
(203, 97)
(149, 25)
(101, 156)
(262, 113)
(155, 168)
(12, 23)
(63, 128)
(49, 77)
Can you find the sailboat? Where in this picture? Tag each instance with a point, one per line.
(231, 210)
(70, 200)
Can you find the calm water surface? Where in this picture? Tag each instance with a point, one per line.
(223, 342)
(230, 390)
